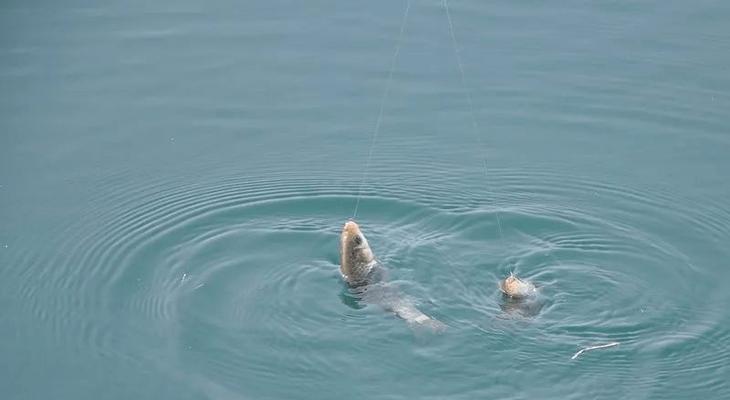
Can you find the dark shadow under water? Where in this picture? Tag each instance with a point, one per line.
(528, 307)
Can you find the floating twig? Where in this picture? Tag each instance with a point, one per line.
(601, 346)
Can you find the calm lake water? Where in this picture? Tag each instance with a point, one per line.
(174, 176)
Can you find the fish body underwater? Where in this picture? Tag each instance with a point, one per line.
(365, 276)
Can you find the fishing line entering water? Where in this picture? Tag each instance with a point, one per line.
(378, 122)
(474, 124)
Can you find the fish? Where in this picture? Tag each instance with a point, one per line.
(521, 298)
(366, 277)
(516, 288)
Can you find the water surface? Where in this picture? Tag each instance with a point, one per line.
(174, 176)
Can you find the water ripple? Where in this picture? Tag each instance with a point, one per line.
(236, 277)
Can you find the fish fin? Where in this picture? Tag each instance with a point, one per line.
(424, 321)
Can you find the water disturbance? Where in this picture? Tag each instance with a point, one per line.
(174, 177)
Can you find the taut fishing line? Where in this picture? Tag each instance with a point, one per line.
(378, 122)
(474, 124)
(386, 92)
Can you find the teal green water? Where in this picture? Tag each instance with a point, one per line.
(174, 176)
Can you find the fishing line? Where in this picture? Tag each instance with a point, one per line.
(474, 124)
(378, 122)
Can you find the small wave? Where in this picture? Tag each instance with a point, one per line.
(230, 273)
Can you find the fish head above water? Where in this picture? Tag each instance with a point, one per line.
(517, 288)
(356, 257)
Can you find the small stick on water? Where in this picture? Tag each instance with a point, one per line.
(602, 346)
